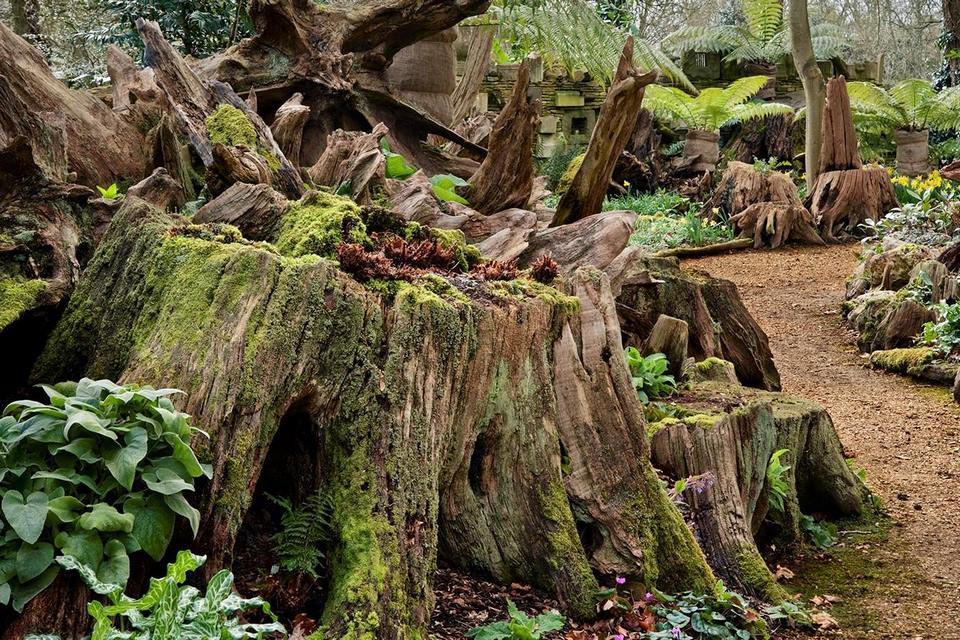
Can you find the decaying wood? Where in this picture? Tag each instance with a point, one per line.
(460, 460)
(733, 444)
(159, 189)
(669, 336)
(170, 154)
(190, 100)
(614, 127)
(769, 137)
(352, 158)
(100, 146)
(706, 250)
(763, 205)
(255, 209)
(505, 178)
(287, 127)
(596, 240)
(845, 193)
(479, 45)
(719, 323)
(477, 130)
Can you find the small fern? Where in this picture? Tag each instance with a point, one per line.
(304, 530)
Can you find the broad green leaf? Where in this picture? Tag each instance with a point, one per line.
(5, 593)
(21, 594)
(26, 517)
(179, 505)
(397, 168)
(164, 617)
(219, 587)
(33, 559)
(85, 546)
(115, 567)
(448, 195)
(89, 421)
(105, 518)
(152, 524)
(184, 454)
(166, 482)
(65, 508)
(122, 462)
(84, 449)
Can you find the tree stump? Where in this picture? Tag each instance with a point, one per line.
(670, 337)
(613, 130)
(762, 205)
(845, 193)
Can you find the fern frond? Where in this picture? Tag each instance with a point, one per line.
(304, 530)
(719, 39)
(945, 115)
(764, 17)
(756, 110)
(915, 98)
(673, 105)
(871, 103)
(741, 90)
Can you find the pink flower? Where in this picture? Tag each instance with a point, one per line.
(675, 632)
(618, 637)
(648, 597)
(621, 580)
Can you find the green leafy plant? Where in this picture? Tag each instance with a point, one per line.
(713, 108)
(445, 188)
(725, 615)
(304, 529)
(777, 486)
(171, 611)
(944, 333)
(96, 473)
(110, 193)
(771, 164)
(912, 105)
(396, 166)
(649, 374)
(660, 202)
(520, 626)
(762, 37)
(823, 535)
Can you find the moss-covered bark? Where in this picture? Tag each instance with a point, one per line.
(440, 422)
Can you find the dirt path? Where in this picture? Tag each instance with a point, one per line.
(906, 436)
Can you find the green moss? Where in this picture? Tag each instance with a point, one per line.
(756, 575)
(318, 224)
(441, 286)
(902, 360)
(707, 365)
(467, 255)
(569, 174)
(524, 289)
(17, 295)
(230, 126)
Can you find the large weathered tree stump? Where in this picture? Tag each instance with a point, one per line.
(434, 424)
(845, 193)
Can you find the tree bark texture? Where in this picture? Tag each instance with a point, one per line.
(805, 60)
(436, 424)
(614, 128)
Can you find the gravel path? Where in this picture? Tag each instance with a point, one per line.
(905, 435)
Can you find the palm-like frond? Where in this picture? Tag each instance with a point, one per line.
(945, 112)
(713, 108)
(720, 39)
(570, 34)
(915, 97)
(828, 40)
(764, 17)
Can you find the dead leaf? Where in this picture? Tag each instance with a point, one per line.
(783, 573)
(824, 621)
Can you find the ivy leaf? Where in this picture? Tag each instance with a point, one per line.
(85, 546)
(179, 505)
(122, 463)
(33, 559)
(152, 523)
(115, 568)
(26, 517)
(105, 519)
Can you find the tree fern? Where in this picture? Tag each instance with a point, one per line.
(713, 108)
(911, 104)
(570, 34)
(304, 530)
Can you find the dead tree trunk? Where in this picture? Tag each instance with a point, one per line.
(615, 125)
(479, 44)
(432, 423)
(505, 178)
(845, 193)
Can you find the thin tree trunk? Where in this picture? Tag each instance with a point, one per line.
(951, 42)
(813, 85)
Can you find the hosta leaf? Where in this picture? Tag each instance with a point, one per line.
(184, 454)
(33, 559)
(85, 546)
(166, 482)
(26, 517)
(115, 567)
(21, 594)
(84, 449)
(179, 505)
(65, 508)
(152, 524)
(105, 518)
(122, 462)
